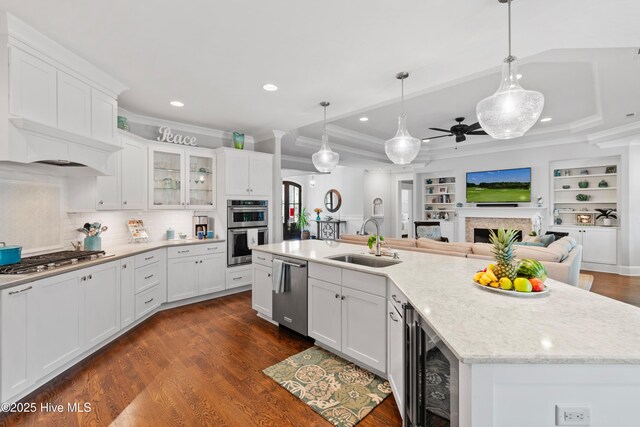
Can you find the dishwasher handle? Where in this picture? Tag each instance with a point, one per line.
(292, 264)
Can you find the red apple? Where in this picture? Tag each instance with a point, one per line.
(536, 285)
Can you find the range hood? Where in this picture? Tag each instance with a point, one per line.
(65, 153)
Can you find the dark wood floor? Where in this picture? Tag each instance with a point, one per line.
(622, 288)
(195, 365)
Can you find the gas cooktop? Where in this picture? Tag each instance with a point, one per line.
(51, 261)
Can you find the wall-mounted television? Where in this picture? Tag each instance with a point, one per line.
(499, 186)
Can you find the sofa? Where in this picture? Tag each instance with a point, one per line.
(562, 258)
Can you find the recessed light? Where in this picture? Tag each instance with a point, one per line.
(546, 119)
(518, 76)
(426, 140)
(177, 103)
(364, 119)
(270, 87)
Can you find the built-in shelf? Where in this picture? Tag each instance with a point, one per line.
(585, 189)
(595, 175)
(436, 199)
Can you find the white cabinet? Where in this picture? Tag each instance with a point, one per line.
(325, 313)
(107, 193)
(248, 173)
(32, 88)
(181, 178)
(395, 352)
(196, 270)
(54, 332)
(127, 292)
(599, 244)
(262, 290)
(348, 319)
(104, 117)
(133, 174)
(150, 279)
(101, 303)
(364, 326)
(14, 342)
(74, 105)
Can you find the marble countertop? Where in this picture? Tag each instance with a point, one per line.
(112, 254)
(569, 325)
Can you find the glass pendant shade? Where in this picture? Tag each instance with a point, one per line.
(325, 160)
(512, 110)
(402, 149)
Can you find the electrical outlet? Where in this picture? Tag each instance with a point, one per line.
(573, 415)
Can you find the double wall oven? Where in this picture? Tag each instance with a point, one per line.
(247, 225)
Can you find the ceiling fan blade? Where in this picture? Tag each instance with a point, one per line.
(436, 137)
(477, 132)
(473, 127)
(441, 130)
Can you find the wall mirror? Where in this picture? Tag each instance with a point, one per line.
(332, 200)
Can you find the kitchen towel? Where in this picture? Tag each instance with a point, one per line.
(252, 237)
(280, 276)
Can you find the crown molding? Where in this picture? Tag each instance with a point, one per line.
(353, 136)
(610, 137)
(305, 141)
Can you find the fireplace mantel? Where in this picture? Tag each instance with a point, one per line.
(501, 212)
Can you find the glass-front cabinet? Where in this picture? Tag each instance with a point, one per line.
(181, 179)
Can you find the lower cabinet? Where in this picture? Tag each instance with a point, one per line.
(350, 321)
(262, 290)
(190, 276)
(395, 353)
(599, 244)
(101, 305)
(127, 292)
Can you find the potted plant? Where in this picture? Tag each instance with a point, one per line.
(372, 240)
(303, 222)
(607, 215)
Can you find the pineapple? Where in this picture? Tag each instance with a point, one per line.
(503, 253)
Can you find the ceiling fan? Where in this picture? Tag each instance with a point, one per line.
(460, 131)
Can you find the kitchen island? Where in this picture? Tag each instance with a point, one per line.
(518, 358)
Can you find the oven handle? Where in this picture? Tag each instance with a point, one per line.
(248, 209)
(238, 231)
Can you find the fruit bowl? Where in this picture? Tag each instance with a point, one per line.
(515, 293)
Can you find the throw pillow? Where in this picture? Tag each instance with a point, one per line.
(547, 239)
(528, 243)
(532, 239)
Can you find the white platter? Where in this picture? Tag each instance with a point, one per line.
(514, 293)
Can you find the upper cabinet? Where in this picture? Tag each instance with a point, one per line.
(74, 105)
(247, 173)
(181, 178)
(104, 117)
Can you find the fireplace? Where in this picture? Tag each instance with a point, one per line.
(481, 235)
(479, 223)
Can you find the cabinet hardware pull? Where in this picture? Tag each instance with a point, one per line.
(148, 277)
(213, 249)
(124, 203)
(184, 252)
(261, 258)
(392, 316)
(124, 266)
(343, 298)
(237, 278)
(148, 258)
(395, 298)
(90, 277)
(101, 202)
(83, 278)
(147, 302)
(20, 291)
(337, 295)
(268, 274)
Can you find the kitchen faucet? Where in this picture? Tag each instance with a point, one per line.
(364, 224)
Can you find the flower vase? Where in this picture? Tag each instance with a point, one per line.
(238, 140)
(318, 217)
(93, 243)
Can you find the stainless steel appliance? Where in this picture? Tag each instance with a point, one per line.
(247, 213)
(431, 376)
(202, 223)
(247, 222)
(290, 306)
(50, 261)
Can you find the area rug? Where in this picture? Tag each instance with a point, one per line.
(340, 391)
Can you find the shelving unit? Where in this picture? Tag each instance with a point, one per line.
(600, 185)
(439, 205)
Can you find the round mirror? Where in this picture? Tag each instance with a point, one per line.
(332, 200)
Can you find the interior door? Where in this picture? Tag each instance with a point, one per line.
(291, 208)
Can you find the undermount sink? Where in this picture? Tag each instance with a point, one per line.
(368, 261)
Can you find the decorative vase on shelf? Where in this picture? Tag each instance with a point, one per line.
(93, 243)
(603, 184)
(238, 141)
(607, 222)
(583, 184)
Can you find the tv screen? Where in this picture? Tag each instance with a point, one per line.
(499, 186)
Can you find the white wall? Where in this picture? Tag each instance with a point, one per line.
(378, 184)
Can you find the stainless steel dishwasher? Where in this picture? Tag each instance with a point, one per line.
(290, 306)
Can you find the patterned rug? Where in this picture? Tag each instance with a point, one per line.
(340, 391)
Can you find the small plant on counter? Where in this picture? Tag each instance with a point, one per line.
(607, 215)
(372, 240)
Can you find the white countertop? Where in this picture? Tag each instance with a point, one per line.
(569, 325)
(112, 254)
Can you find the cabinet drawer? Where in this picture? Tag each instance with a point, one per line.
(325, 273)
(261, 258)
(147, 276)
(365, 282)
(182, 251)
(148, 258)
(147, 301)
(396, 297)
(236, 278)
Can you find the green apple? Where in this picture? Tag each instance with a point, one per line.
(522, 285)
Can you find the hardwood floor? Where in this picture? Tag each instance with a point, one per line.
(622, 288)
(195, 365)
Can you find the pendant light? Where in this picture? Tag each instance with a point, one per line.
(512, 110)
(402, 148)
(325, 160)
